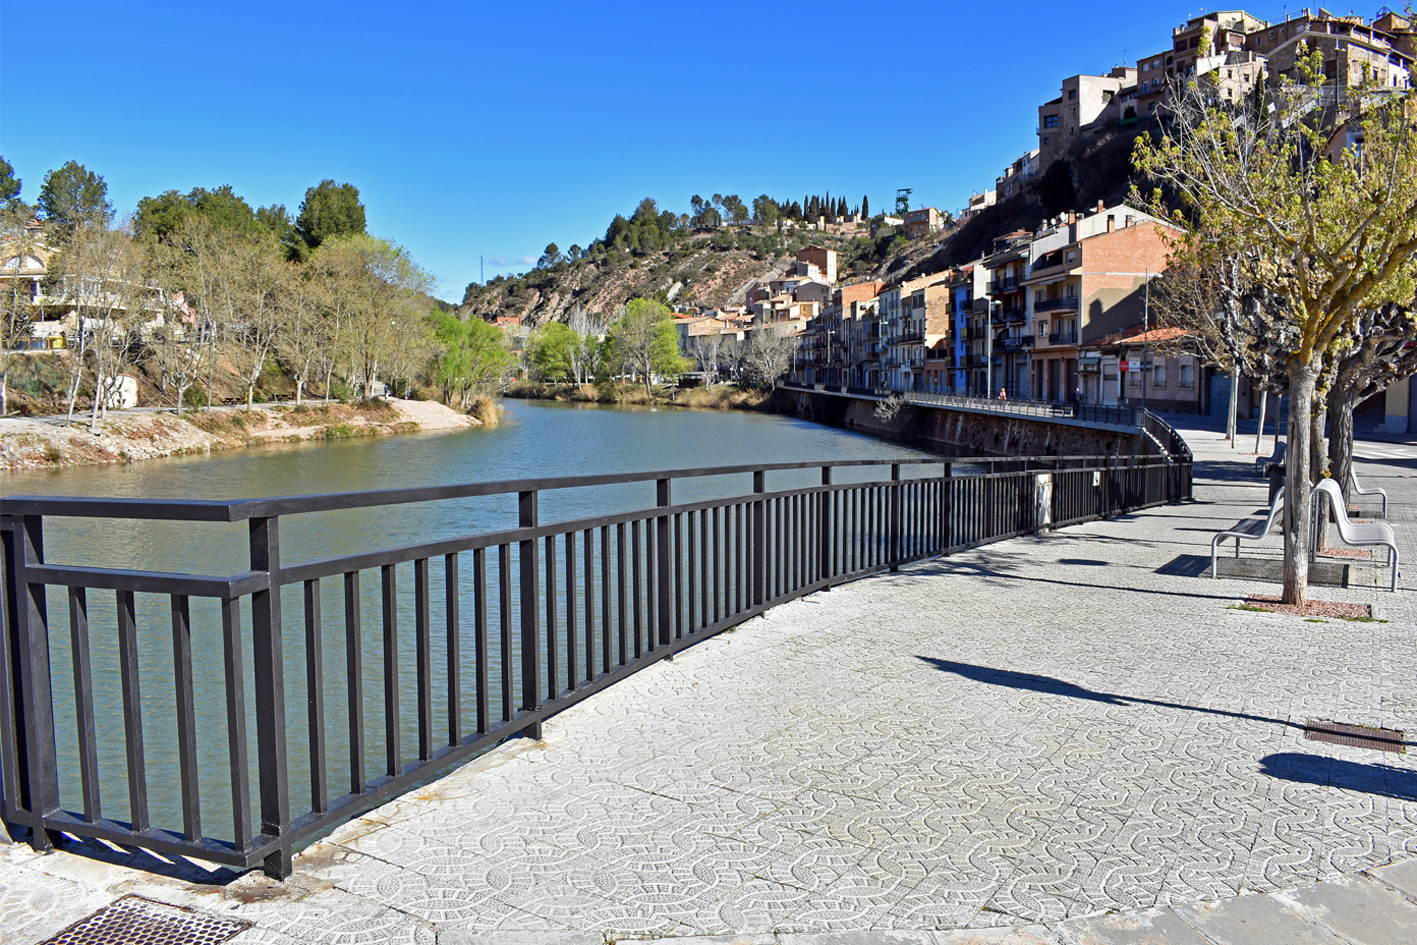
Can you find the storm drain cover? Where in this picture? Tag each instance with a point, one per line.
(140, 921)
(1359, 736)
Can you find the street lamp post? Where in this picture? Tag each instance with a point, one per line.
(1145, 333)
(989, 348)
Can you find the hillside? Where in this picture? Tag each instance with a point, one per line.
(714, 266)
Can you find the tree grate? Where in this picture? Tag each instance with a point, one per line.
(1358, 736)
(140, 921)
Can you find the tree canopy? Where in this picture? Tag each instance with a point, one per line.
(72, 195)
(9, 184)
(329, 211)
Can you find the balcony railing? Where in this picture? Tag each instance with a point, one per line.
(1063, 338)
(1006, 284)
(910, 337)
(1050, 305)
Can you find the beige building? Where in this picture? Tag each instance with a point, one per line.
(1082, 101)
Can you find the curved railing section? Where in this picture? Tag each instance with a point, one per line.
(464, 641)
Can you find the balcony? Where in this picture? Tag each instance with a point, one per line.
(910, 337)
(1053, 305)
(1015, 344)
(1063, 338)
(1006, 284)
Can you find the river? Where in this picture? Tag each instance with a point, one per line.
(534, 439)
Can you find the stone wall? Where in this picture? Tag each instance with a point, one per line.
(970, 431)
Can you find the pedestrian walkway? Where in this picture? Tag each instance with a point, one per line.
(1063, 738)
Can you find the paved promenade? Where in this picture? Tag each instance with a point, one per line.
(1065, 738)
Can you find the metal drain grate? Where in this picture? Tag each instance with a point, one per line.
(140, 921)
(1359, 736)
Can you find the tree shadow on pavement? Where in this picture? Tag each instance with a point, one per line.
(1383, 780)
(1058, 687)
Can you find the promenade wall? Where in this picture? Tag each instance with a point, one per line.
(973, 431)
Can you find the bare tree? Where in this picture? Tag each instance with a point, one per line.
(101, 273)
(769, 354)
(707, 349)
(304, 299)
(586, 347)
(22, 245)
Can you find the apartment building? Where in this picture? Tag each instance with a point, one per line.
(1353, 50)
(922, 222)
(824, 260)
(911, 312)
(1082, 101)
(1002, 323)
(968, 294)
(1016, 175)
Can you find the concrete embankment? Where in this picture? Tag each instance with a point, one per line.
(974, 431)
(125, 437)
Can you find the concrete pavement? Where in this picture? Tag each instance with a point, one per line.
(1063, 738)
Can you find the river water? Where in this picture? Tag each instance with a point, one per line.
(535, 439)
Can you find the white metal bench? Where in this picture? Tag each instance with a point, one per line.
(1352, 533)
(1250, 529)
(1358, 488)
(1264, 462)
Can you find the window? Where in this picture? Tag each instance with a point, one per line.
(1072, 290)
(1158, 373)
(1039, 295)
(1046, 139)
(1188, 374)
(1042, 327)
(1050, 121)
(1146, 87)
(1072, 94)
(1072, 257)
(1134, 378)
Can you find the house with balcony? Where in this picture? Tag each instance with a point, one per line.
(1086, 280)
(1153, 368)
(922, 222)
(1005, 318)
(1353, 49)
(968, 287)
(1017, 174)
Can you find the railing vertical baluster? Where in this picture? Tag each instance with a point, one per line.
(504, 613)
(693, 575)
(452, 602)
(666, 577)
(315, 696)
(946, 507)
(186, 717)
(703, 568)
(635, 586)
(622, 577)
(268, 657)
(572, 651)
(12, 809)
(742, 563)
(528, 517)
(479, 638)
(825, 526)
(354, 668)
(236, 721)
(83, 699)
(605, 602)
(423, 655)
(588, 563)
(132, 711)
(553, 672)
(392, 731)
(758, 556)
(718, 582)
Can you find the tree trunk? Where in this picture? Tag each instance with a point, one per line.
(1259, 431)
(1340, 438)
(1302, 378)
(299, 389)
(1318, 455)
(1232, 415)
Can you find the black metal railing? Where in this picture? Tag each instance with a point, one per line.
(1049, 305)
(1063, 338)
(474, 639)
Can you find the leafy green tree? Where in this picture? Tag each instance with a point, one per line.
(9, 184)
(551, 350)
(471, 357)
(550, 257)
(159, 217)
(72, 195)
(765, 210)
(277, 221)
(737, 210)
(646, 341)
(330, 211)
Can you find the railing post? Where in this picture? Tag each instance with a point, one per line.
(527, 517)
(9, 691)
(36, 774)
(666, 604)
(893, 528)
(824, 529)
(946, 508)
(758, 561)
(269, 667)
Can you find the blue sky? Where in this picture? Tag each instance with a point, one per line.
(490, 130)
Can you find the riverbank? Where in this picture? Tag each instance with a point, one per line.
(126, 437)
(720, 397)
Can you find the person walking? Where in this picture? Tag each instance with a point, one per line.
(1003, 394)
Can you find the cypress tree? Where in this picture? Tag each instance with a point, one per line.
(866, 207)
